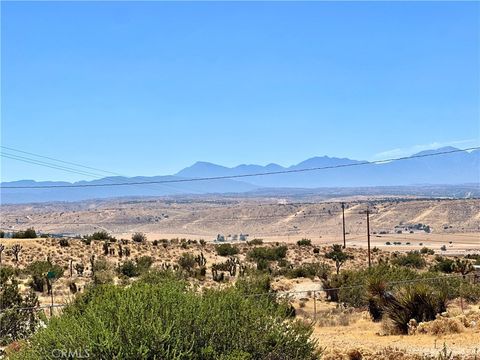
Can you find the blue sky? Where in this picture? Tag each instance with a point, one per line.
(149, 88)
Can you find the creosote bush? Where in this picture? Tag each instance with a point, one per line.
(411, 259)
(304, 242)
(139, 237)
(226, 249)
(158, 317)
(267, 253)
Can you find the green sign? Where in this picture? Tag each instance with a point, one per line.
(51, 275)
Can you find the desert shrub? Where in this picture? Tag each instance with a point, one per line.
(226, 249)
(427, 251)
(2, 234)
(316, 250)
(165, 320)
(267, 253)
(307, 270)
(187, 261)
(255, 242)
(100, 264)
(144, 263)
(443, 265)
(135, 268)
(411, 259)
(30, 233)
(443, 248)
(354, 284)
(304, 242)
(64, 242)
(99, 235)
(103, 277)
(202, 242)
(139, 237)
(128, 268)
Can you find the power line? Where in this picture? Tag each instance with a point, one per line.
(49, 165)
(69, 169)
(60, 161)
(243, 175)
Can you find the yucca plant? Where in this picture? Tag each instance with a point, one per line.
(419, 301)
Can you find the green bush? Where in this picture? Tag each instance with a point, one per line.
(99, 235)
(307, 270)
(411, 259)
(133, 269)
(267, 253)
(255, 242)
(427, 251)
(27, 234)
(444, 265)
(187, 262)
(226, 250)
(139, 237)
(64, 242)
(165, 320)
(304, 242)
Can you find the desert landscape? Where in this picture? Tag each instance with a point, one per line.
(240, 180)
(454, 223)
(175, 230)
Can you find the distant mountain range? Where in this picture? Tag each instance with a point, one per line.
(451, 169)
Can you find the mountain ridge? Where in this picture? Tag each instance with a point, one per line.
(457, 168)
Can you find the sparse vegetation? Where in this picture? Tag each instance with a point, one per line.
(304, 242)
(226, 249)
(411, 259)
(30, 233)
(139, 237)
(338, 256)
(264, 331)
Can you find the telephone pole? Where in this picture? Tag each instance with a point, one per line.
(343, 221)
(368, 238)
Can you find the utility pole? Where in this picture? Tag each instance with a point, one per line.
(368, 238)
(343, 221)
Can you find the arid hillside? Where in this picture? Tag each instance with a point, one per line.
(454, 223)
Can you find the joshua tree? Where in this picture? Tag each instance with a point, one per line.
(79, 268)
(71, 267)
(338, 255)
(232, 265)
(200, 259)
(2, 247)
(16, 252)
(106, 247)
(217, 277)
(463, 267)
(127, 251)
(92, 263)
(120, 251)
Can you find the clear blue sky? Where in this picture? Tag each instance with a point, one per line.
(149, 88)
